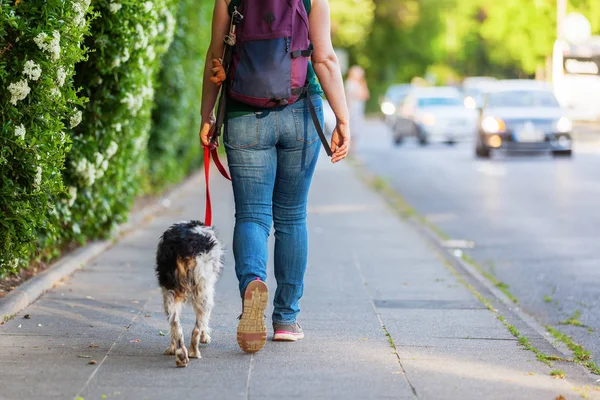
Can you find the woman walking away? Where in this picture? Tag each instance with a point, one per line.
(357, 94)
(272, 144)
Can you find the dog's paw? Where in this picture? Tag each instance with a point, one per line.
(170, 351)
(204, 338)
(181, 357)
(195, 353)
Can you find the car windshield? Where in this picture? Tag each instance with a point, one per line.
(425, 102)
(522, 98)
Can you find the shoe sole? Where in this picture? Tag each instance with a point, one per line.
(287, 336)
(252, 330)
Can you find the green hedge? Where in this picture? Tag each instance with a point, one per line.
(110, 145)
(80, 136)
(174, 147)
(39, 46)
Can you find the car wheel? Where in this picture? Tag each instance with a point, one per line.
(450, 142)
(398, 140)
(562, 153)
(421, 136)
(482, 152)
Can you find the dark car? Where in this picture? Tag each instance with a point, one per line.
(522, 116)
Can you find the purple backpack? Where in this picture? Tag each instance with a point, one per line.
(270, 59)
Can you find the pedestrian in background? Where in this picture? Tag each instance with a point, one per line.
(357, 94)
(272, 154)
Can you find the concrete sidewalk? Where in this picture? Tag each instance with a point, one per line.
(383, 316)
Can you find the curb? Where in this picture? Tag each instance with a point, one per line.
(31, 290)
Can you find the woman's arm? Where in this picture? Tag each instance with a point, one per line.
(328, 71)
(210, 91)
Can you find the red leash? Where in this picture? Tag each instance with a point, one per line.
(211, 151)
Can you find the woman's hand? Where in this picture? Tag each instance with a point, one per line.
(340, 141)
(207, 130)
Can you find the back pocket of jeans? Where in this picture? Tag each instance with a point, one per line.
(242, 132)
(305, 128)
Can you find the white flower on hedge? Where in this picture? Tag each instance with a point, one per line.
(79, 18)
(147, 92)
(170, 27)
(86, 171)
(55, 93)
(99, 173)
(125, 56)
(61, 75)
(53, 47)
(37, 181)
(150, 53)
(75, 119)
(40, 40)
(153, 32)
(112, 149)
(18, 90)
(72, 195)
(114, 7)
(20, 132)
(142, 39)
(32, 70)
(104, 165)
(117, 127)
(13, 263)
(99, 159)
(134, 103)
(148, 6)
(161, 27)
(116, 61)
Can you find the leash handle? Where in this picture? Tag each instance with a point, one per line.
(211, 151)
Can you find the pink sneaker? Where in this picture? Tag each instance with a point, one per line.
(287, 332)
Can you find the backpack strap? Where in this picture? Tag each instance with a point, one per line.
(317, 123)
(303, 53)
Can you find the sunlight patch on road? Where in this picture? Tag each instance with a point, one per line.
(491, 169)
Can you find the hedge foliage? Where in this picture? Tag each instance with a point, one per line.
(77, 94)
(109, 146)
(172, 147)
(39, 45)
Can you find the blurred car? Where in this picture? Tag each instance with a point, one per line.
(523, 115)
(473, 89)
(435, 114)
(392, 100)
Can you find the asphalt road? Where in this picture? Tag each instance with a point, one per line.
(535, 220)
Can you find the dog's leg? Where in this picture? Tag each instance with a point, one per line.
(169, 303)
(203, 304)
(177, 347)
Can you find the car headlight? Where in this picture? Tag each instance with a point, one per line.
(493, 125)
(388, 108)
(427, 119)
(564, 125)
(470, 103)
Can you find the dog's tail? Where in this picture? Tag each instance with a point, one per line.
(184, 273)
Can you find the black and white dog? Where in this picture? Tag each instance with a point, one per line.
(188, 265)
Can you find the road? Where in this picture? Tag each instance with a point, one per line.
(535, 220)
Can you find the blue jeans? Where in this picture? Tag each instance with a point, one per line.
(272, 156)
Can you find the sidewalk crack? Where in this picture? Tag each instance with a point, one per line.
(85, 385)
(249, 374)
(387, 333)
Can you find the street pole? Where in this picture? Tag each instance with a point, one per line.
(561, 13)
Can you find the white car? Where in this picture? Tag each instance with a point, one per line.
(435, 114)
